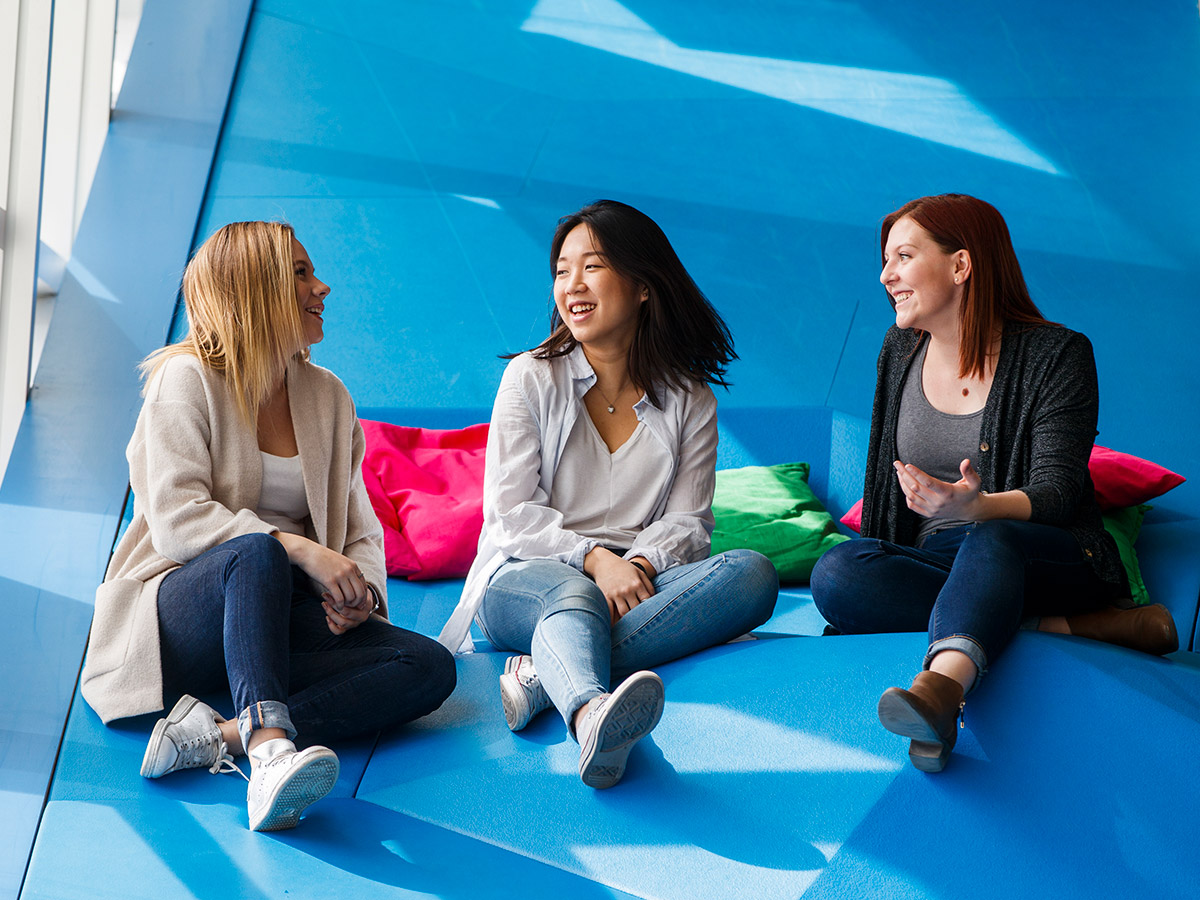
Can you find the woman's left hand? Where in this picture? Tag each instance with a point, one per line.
(930, 497)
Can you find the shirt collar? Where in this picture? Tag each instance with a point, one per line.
(584, 377)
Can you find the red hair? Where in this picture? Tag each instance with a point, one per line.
(996, 292)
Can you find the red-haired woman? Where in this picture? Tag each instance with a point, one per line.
(978, 510)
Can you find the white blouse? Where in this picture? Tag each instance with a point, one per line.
(536, 408)
(606, 495)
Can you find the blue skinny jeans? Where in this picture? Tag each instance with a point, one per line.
(558, 615)
(971, 586)
(240, 615)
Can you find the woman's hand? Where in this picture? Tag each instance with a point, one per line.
(346, 599)
(623, 584)
(932, 498)
(963, 499)
(348, 617)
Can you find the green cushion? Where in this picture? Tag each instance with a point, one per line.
(772, 509)
(1124, 524)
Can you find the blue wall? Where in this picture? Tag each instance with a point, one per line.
(425, 150)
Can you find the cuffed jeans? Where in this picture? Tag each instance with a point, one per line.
(241, 615)
(558, 615)
(971, 586)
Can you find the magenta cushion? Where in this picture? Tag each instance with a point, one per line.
(426, 487)
(853, 517)
(1121, 480)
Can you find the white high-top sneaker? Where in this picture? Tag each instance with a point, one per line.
(613, 723)
(521, 692)
(284, 782)
(188, 738)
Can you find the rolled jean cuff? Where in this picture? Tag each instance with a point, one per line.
(962, 644)
(264, 714)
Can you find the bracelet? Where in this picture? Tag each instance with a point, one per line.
(641, 568)
(375, 608)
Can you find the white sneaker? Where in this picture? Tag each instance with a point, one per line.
(284, 782)
(614, 723)
(188, 738)
(521, 692)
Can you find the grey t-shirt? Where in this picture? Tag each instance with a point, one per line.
(934, 441)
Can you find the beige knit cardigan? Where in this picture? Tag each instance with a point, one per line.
(196, 473)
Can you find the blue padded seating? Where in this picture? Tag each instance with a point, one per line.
(768, 776)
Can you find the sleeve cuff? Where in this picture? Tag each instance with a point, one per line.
(660, 559)
(582, 549)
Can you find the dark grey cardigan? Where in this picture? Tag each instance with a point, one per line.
(1036, 435)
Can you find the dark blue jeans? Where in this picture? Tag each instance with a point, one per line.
(242, 616)
(970, 586)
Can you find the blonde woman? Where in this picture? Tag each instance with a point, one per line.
(254, 560)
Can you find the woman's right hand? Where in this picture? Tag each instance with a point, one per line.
(623, 584)
(343, 585)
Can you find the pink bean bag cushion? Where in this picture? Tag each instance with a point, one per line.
(426, 487)
(1121, 480)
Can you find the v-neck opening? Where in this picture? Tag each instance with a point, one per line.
(591, 423)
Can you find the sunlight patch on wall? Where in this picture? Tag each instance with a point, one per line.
(932, 109)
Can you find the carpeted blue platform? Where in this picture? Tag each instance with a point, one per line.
(424, 151)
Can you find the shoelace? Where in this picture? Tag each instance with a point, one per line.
(225, 763)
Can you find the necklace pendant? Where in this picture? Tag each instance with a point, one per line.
(610, 409)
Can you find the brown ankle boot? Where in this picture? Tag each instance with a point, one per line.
(1150, 629)
(928, 713)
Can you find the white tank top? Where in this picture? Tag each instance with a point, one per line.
(282, 501)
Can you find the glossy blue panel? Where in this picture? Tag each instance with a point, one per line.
(62, 494)
(174, 847)
(733, 795)
(794, 614)
(425, 149)
(307, 118)
(1081, 786)
(769, 773)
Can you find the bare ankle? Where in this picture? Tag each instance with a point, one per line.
(231, 737)
(264, 734)
(1054, 625)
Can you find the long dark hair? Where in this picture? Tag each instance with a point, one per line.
(996, 291)
(680, 337)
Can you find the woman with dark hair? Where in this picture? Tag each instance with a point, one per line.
(594, 554)
(978, 509)
(254, 561)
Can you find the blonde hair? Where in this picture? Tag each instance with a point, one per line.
(239, 292)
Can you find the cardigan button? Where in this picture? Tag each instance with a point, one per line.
(984, 447)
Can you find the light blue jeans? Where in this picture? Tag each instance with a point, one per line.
(558, 615)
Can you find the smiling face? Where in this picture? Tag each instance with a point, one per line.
(310, 295)
(598, 304)
(925, 282)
